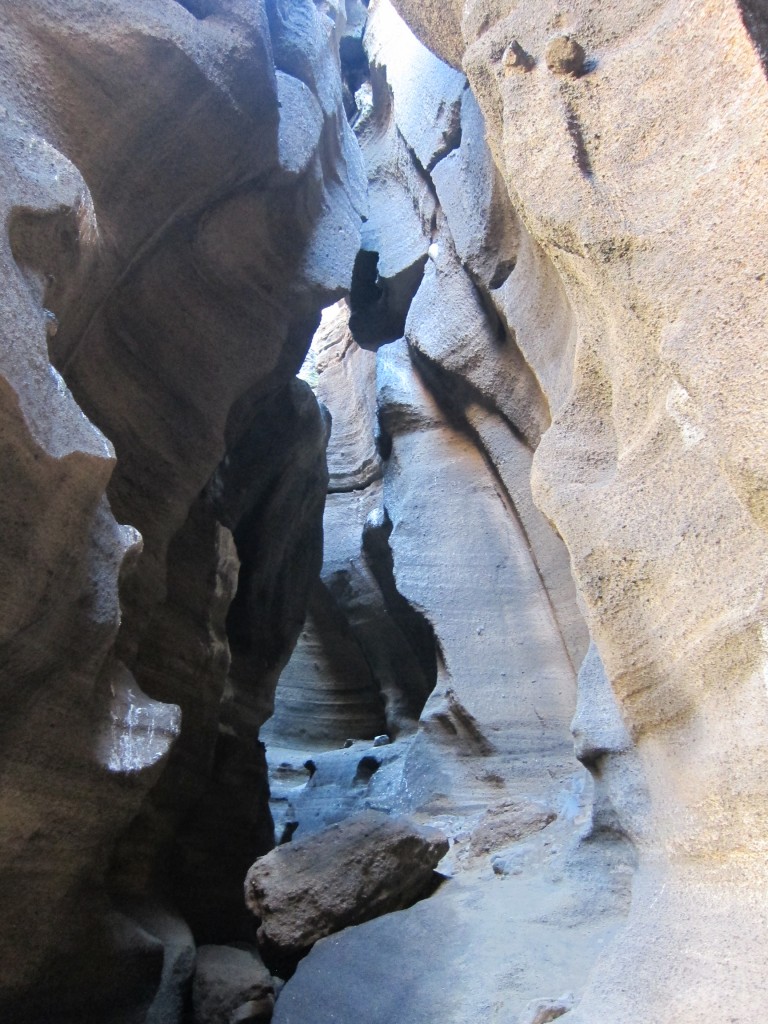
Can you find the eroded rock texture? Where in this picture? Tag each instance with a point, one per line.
(543, 504)
(366, 866)
(468, 556)
(638, 178)
(181, 196)
(582, 268)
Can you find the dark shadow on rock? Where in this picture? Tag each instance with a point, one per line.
(754, 14)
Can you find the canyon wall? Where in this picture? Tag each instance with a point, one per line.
(632, 142)
(523, 527)
(182, 195)
(569, 241)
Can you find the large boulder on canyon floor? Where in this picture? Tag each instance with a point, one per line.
(368, 865)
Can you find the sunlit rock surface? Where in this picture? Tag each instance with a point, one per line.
(638, 176)
(540, 251)
(589, 320)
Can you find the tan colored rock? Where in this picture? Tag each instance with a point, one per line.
(515, 59)
(641, 187)
(565, 56)
(438, 26)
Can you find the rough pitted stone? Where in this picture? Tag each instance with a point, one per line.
(509, 823)
(368, 865)
(230, 984)
(437, 24)
(515, 59)
(565, 56)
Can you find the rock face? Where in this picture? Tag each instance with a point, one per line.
(181, 196)
(455, 542)
(565, 406)
(368, 865)
(622, 143)
(543, 505)
(365, 662)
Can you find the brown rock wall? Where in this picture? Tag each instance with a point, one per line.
(181, 195)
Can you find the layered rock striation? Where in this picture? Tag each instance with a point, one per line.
(577, 398)
(182, 195)
(631, 144)
(537, 473)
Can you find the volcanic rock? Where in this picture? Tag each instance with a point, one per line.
(366, 866)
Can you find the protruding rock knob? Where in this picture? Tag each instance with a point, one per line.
(515, 59)
(565, 56)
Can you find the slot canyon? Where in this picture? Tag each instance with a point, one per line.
(384, 509)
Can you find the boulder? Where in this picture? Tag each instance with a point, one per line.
(363, 867)
(231, 984)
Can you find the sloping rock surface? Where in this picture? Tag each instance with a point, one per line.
(631, 139)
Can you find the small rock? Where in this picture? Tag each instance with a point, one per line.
(565, 56)
(51, 324)
(507, 865)
(349, 743)
(255, 1011)
(542, 1011)
(381, 741)
(515, 59)
(509, 822)
(227, 979)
